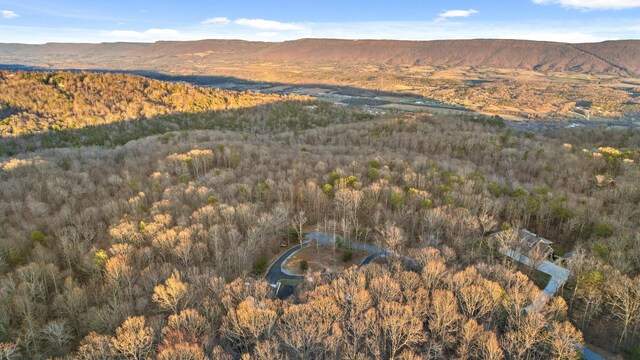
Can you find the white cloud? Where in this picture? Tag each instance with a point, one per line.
(151, 34)
(573, 31)
(216, 21)
(8, 14)
(456, 13)
(263, 24)
(593, 4)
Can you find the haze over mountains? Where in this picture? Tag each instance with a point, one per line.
(610, 57)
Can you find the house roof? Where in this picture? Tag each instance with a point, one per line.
(533, 239)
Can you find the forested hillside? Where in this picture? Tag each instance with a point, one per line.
(611, 57)
(155, 247)
(513, 78)
(32, 102)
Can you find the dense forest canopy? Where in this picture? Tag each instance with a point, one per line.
(32, 102)
(150, 246)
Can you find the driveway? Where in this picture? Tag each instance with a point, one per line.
(559, 276)
(275, 273)
(368, 259)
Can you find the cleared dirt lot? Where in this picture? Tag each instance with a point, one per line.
(322, 258)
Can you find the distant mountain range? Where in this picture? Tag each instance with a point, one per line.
(609, 57)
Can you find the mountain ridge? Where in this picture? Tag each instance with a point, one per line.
(617, 57)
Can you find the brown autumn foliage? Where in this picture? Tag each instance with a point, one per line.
(33, 102)
(148, 249)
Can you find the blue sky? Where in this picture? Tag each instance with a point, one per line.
(40, 21)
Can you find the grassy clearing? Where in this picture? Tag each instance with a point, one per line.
(538, 277)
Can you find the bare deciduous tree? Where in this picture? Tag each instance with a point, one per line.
(392, 236)
(298, 221)
(133, 339)
(182, 351)
(443, 316)
(249, 323)
(400, 328)
(172, 294)
(623, 298)
(565, 340)
(95, 346)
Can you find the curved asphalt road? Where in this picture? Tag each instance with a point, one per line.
(275, 273)
(368, 259)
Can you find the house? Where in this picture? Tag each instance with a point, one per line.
(536, 243)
